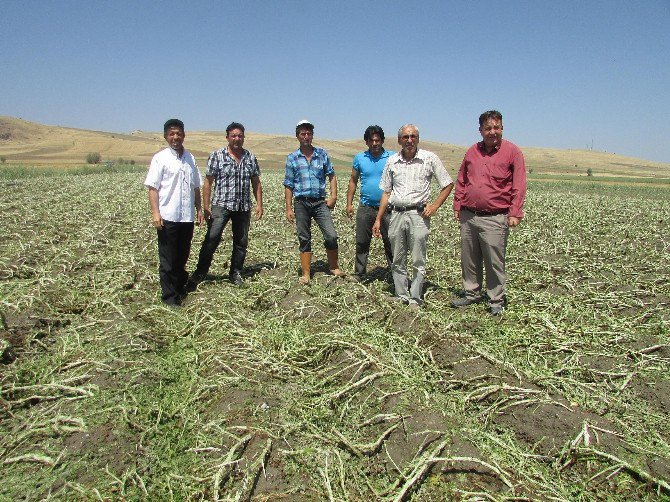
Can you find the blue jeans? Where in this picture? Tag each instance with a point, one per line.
(220, 217)
(306, 209)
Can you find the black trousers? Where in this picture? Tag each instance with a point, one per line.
(174, 245)
(220, 217)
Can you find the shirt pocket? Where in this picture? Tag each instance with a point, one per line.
(171, 171)
(500, 171)
(316, 168)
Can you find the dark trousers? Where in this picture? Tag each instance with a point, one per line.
(306, 209)
(174, 245)
(240, 223)
(365, 219)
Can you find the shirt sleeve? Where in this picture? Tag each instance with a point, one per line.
(460, 186)
(386, 182)
(441, 174)
(288, 173)
(197, 179)
(212, 165)
(357, 164)
(154, 175)
(327, 165)
(256, 169)
(518, 185)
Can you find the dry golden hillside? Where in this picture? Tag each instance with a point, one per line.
(29, 143)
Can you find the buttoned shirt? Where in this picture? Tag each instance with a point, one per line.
(370, 171)
(308, 179)
(176, 179)
(494, 181)
(232, 179)
(408, 181)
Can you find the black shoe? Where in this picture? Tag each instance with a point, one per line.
(497, 309)
(193, 281)
(465, 301)
(236, 278)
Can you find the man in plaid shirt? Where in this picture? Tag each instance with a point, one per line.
(305, 192)
(231, 170)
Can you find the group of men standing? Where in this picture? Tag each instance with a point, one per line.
(395, 204)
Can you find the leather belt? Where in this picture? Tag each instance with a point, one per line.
(402, 209)
(476, 212)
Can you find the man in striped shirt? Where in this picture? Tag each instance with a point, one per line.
(406, 184)
(230, 170)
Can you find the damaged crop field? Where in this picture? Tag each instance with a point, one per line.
(276, 391)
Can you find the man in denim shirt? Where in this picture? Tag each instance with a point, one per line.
(305, 192)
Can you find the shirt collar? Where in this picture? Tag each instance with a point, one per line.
(385, 153)
(176, 153)
(495, 148)
(227, 154)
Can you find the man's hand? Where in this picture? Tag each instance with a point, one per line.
(258, 212)
(350, 211)
(207, 213)
(376, 228)
(457, 214)
(513, 221)
(199, 218)
(157, 221)
(428, 211)
(290, 216)
(331, 202)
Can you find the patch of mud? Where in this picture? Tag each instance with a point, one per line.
(475, 368)
(599, 362)
(105, 445)
(417, 432)
(20, 329)
(655, 392)
(403, 319)
(300, 305)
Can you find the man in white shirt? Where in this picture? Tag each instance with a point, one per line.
(406, 186)
(174, 185)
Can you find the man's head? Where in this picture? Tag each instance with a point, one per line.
(173, 132)
(304, 131)
(408, 139)
(235, 136)
(491, 128)
(374, 139)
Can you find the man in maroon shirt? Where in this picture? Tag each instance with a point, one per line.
(490, 191)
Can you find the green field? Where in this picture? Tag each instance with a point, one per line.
(276, 391)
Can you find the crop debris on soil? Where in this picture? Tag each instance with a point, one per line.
(276, 391)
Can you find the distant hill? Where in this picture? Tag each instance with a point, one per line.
(30, 143)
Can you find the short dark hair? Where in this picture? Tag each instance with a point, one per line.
(371, 131)
(304, 126)
(234, 125)
(491, 114)
(173, 123)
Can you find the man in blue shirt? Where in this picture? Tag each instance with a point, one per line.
(305, 192)
(368, 167)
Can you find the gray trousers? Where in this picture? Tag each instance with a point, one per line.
(408, 232)
(483, 247)
(365, 219)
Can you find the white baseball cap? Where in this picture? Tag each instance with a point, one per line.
(304, 122)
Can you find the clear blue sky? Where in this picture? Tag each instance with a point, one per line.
(564, 74)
